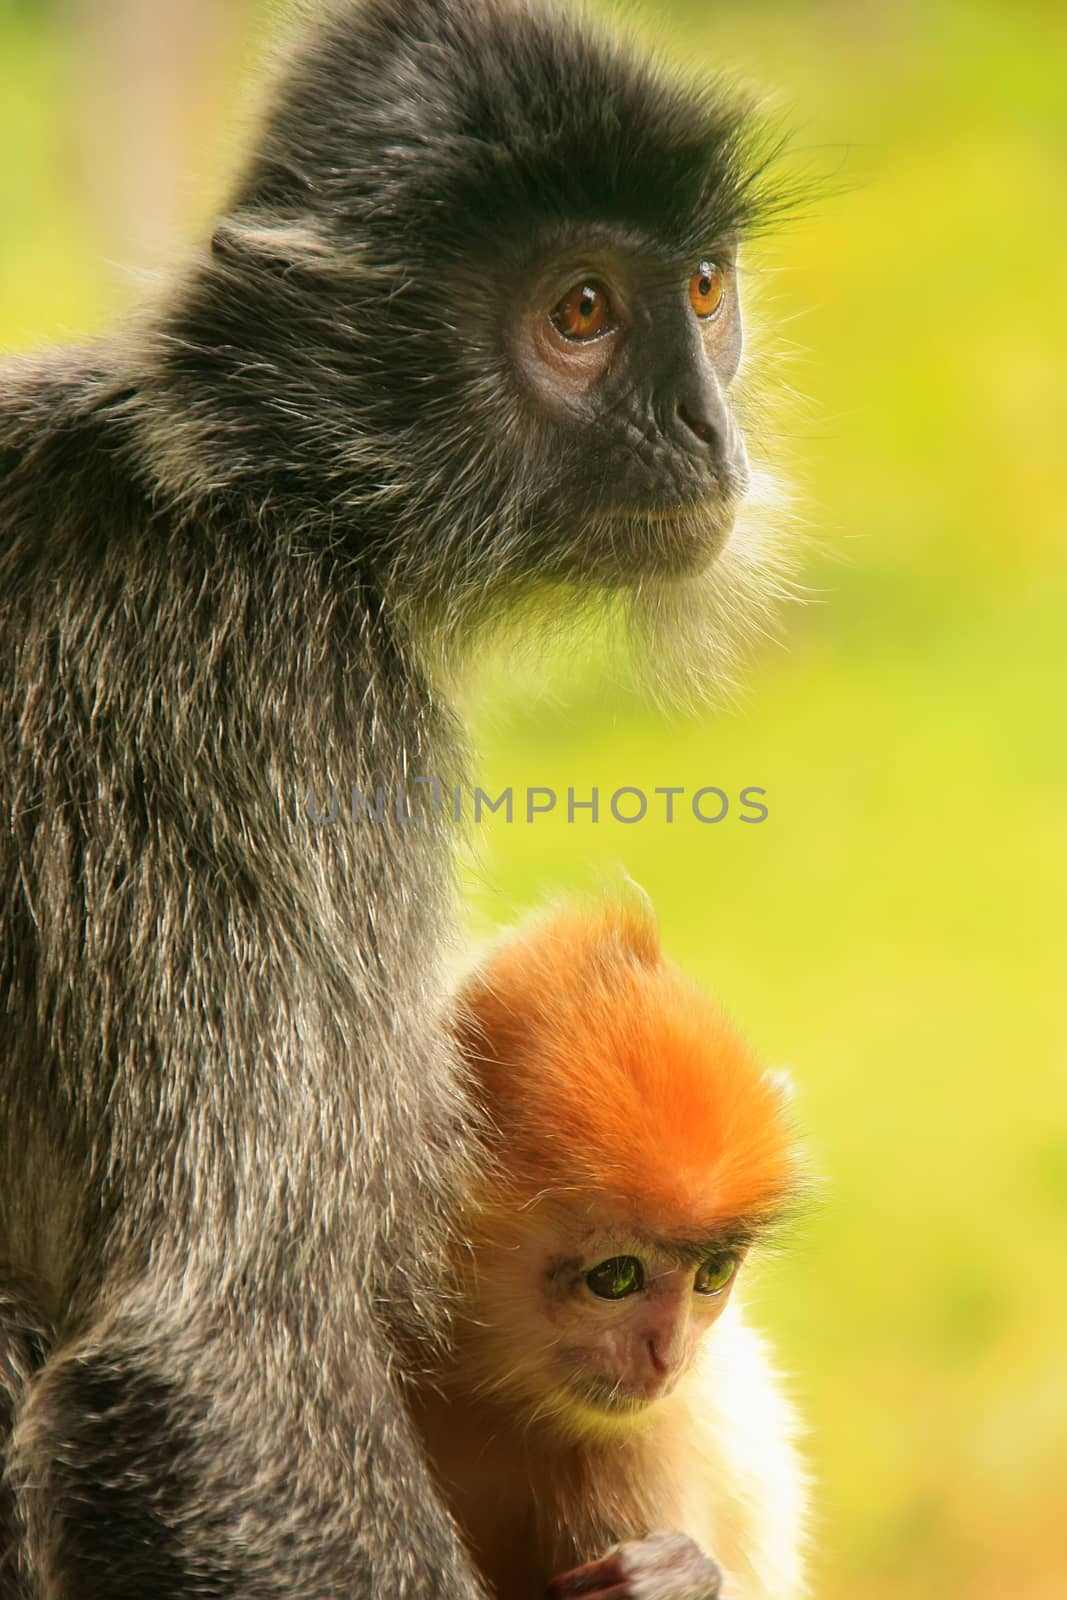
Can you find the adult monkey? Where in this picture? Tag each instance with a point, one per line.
(467, 328)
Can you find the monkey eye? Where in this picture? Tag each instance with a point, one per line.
(707, 290)
(616, 1278)
(713, 1276)
(584, 313)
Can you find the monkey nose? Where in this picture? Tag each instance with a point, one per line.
(659, 1366)
(659, 1359)
(701, 425)
(703, 428)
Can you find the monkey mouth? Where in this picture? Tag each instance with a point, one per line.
(675, 541)
(708, 507)
(715, 506)
(706, 524)
(611, 1398)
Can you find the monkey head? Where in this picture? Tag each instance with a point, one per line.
(473, 314)
(638, 1151)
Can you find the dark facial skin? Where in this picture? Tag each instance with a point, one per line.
(625, 354)
(643, 332)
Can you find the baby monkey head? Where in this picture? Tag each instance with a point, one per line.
(476, 301)
(638, 1151)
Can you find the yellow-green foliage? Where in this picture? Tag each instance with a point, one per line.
(894, 932)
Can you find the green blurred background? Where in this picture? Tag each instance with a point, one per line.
(894, 931)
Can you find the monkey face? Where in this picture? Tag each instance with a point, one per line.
(623, 356)
(583, 392)
(627, 1328)
(587, 1329)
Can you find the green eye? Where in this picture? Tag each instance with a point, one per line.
(713, 1276)
(615, 1279)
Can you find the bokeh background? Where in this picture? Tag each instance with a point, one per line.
(894, 931)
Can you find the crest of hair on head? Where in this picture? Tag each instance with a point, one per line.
(604, 1068)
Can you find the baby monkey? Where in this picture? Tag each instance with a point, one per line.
(606, 1424)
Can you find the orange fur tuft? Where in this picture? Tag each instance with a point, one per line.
(603, 1066)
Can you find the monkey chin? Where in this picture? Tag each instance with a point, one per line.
(722, 574)
(686, 591)
(668, 543)
(601, 1413)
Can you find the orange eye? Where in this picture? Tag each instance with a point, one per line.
(707, 289)
(584, 313)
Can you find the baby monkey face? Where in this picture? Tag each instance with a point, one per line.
(628, 1318)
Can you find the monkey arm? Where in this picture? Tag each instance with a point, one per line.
(174, 1453)
(219, 1418)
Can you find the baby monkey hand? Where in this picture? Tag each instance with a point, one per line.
(663, 1566)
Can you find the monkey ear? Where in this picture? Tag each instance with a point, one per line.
(273, 243)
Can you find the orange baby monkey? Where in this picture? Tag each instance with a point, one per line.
(606, 1425)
